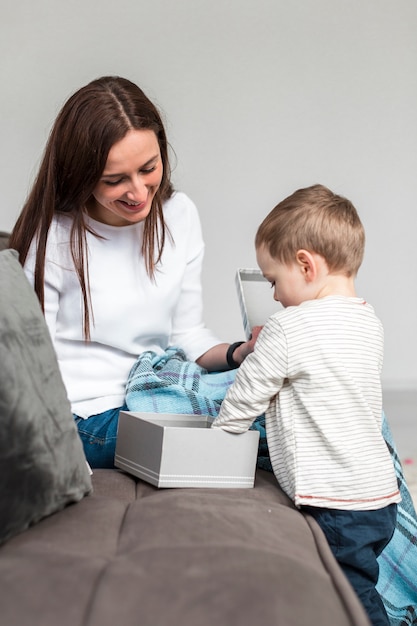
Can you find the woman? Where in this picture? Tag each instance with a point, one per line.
(114, 254)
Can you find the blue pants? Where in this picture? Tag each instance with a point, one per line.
(98, 434)
(356, 539)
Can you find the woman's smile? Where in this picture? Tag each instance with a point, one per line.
(133, 206)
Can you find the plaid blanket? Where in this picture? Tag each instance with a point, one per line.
(171, 384)
(397, 583)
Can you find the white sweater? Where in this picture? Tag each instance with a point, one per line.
(131, 313)
(315, 372)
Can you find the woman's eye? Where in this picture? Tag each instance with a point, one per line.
(272, 284)
(112, 183)
(149, 170)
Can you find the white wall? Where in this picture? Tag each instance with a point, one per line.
(260, 97)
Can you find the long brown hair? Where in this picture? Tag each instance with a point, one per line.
(89, 124)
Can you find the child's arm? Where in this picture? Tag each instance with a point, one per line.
(257, 382)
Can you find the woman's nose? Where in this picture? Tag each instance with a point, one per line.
(137, 190)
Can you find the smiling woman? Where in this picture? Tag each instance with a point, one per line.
(114, 254)
(131, 178)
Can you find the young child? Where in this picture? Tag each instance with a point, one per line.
(315, 372)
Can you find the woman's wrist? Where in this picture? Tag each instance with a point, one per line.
(229, 354)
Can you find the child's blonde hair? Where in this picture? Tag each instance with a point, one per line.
(317, 220)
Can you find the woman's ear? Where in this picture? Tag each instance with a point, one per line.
(307, 264)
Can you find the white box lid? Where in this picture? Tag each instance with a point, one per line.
(256, 299)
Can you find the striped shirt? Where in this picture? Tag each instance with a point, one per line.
(315, 373)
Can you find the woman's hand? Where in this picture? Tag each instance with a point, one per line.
(214, 360)
(240, 354)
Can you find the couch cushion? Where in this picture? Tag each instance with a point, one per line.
(42, 463)
(133, 554)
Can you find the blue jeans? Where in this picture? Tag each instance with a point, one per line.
(98, 434)
(356, 539)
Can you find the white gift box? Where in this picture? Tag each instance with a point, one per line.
(169, 450)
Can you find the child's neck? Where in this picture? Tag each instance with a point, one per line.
(337, 285)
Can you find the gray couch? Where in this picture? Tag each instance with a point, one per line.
(3, 240)
(133, 555)
(128, 553)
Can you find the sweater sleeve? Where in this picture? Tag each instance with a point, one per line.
(52, 283)
(188, 328)
(257, 382)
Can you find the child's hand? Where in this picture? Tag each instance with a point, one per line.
(254, 336)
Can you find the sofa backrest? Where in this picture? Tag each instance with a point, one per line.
(4, 240)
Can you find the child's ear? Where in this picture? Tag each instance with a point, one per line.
(307, 264)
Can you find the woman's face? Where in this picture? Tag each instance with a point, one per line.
(130, 180)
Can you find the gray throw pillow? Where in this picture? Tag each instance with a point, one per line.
(42, 462)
